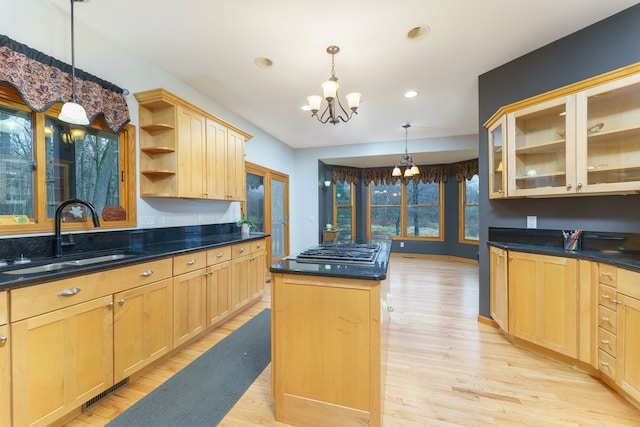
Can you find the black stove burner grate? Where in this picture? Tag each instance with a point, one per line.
(341, 253)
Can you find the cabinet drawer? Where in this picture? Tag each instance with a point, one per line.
(189, 262)
(607, 274)
(38, 299)
(606, 364)
(258, 245)
(218, 255)
(4, 318)
(607, 319)
(606, 296)
(607, 341)
(240, 249)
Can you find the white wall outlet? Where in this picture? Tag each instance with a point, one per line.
(402, 244)
(532, 221)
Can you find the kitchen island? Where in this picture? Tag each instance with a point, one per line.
(329, 325)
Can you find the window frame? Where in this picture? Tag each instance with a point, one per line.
(10, 97)
(462, 204)
(352, 205)
(404, 212)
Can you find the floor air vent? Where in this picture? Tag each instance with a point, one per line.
(89, 403)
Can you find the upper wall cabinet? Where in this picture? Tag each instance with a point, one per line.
(581, 139)
(186, 152)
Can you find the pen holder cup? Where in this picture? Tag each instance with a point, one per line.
(572, 243)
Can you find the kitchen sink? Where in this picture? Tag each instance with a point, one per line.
(58, 265)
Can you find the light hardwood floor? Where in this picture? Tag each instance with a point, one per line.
(444, 368)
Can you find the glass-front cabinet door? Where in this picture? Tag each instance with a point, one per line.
(497, 159)
(609, 124)
(541, 155)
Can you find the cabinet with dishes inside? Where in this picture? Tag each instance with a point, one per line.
(580, 139)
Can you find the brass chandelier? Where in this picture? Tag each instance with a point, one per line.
(406, 159)
(334, 111)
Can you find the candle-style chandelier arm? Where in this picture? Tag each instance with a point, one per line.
(329, 113)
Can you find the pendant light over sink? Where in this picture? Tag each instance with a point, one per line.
(72, 112)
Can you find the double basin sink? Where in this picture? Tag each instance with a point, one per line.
(59, 264)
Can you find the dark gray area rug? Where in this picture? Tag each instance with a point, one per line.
(204, 391)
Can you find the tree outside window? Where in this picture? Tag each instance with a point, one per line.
(469, 210)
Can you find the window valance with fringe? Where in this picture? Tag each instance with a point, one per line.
(428, 174)
(466, 170)
(346, 175)
(43, 80)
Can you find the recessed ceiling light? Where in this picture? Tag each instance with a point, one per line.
(263, 62)
(418, 32)
(410, 94)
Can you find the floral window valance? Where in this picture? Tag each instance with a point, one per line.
(427, 175)
(43, 80)
(349, 176)
(466, 170)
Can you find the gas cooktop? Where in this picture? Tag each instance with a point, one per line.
(341, 253)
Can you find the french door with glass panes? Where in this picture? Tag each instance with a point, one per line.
(267, 206)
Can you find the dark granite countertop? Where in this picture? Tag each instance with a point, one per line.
(628, 260)
(376, 271)
(139, 253)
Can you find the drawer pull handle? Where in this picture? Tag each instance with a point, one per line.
(605, 274)
(146, 273)
(192, 262)
(3, 339)
(69, 292)
(615, 301)
(220, 255)
(259, 245)
(241, 249)
(605, 319)
(605, 296)
(604, 341)
(605, 364)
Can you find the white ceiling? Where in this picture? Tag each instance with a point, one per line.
(212, 44)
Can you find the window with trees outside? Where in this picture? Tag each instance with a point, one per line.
(344, 210)
(469, 211)
(44, 162)
(411, 210)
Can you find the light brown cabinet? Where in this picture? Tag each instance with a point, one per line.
(5, 384)
(60, 360)
(189, 296)
(248, 272)
(542, 294)
(142, 327)
(619, 331)
(186, 152)
(580, 139)
(499, 302)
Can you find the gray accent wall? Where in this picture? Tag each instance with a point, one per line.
(605, 46)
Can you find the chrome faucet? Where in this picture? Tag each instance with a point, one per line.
(57, 238)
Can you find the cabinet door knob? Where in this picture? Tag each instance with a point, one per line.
(220, 255)
(69, 292)
(3, 339)
(579, 185)
(146, 273)
(110, 305)
(259, 245)
(568, 186)
(241, 249)
(510, 258)
(192, 262)
(121, 301)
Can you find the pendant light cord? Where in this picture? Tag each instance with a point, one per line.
(73, 57)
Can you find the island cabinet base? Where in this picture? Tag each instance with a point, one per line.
(328, 349)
